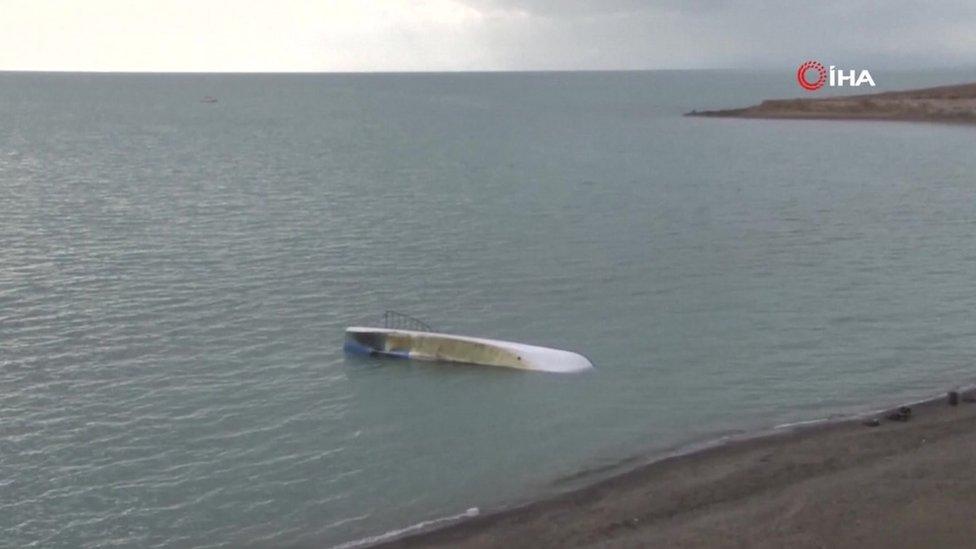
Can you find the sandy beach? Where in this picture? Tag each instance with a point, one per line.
(954, 104)
(840, 484)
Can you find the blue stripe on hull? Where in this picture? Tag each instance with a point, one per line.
(354, 348)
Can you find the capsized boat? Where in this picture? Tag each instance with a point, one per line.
(435, 346)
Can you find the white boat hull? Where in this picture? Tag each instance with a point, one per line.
(434, 346)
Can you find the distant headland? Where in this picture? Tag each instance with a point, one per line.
(956, 104)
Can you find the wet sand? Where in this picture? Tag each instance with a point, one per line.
(841, 484)
(954, 104)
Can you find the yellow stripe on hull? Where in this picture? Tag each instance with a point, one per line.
(471, 350)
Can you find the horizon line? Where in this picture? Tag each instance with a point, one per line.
(365, 72)
(449, 71)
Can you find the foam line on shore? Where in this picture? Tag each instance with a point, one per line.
(420, 526)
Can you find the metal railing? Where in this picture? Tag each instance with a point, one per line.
(393, 320)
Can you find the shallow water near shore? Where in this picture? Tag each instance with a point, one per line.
(175, 278)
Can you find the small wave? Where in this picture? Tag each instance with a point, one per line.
(470, 513)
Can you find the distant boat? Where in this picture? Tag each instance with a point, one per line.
(208, 99)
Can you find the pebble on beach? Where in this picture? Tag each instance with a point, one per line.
(902, 414)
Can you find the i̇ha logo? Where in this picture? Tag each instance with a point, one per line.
(812, 76)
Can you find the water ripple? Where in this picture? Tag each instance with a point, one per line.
(175, 280)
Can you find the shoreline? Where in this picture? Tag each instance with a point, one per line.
(955, 104)
(727, 491)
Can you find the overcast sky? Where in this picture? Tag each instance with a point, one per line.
(409, 35)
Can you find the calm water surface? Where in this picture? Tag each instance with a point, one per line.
(175, 278)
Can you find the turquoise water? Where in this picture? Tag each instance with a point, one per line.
(175, 278)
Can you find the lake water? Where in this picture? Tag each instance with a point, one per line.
(175, 278)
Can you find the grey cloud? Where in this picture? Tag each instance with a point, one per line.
(725, 33)
(577, 7)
